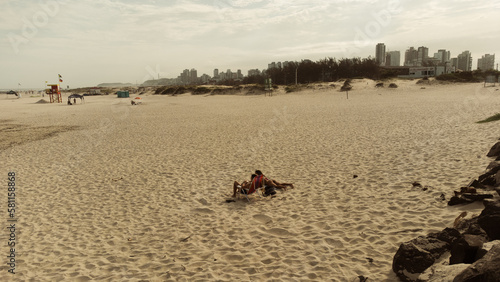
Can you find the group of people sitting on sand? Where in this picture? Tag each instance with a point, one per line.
(259, 180)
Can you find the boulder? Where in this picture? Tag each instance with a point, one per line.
(494, 151)
(415, 256)
(476, 184)
(467, 198)
(477, 196)
(485, 269)
(489, 219)
(466, 248)
(442, 272)
(492, 176)
(486, 248)
(490, 207)
(456, 200)
(493, 164)
(448, 235)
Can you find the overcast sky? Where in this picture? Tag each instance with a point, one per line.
(94, 41)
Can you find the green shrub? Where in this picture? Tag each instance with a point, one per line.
(201, 90)
(492, 118)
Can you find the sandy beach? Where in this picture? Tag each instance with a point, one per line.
(107, 191)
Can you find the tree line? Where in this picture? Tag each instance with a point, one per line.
(325, 70)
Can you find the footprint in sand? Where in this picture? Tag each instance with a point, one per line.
(233, 258)
(262, 218)
(203, 210)
(280, 232)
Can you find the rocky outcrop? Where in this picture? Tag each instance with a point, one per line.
(464, 244)
(494, 151)
(485, 269)
(467, 248)
(489, 219)
(467, 198)
(488, 182)
(415, 256)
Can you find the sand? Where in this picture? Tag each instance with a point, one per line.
(115, 192)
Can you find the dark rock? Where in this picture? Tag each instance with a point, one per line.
(476, 184)
(417, 255)
(467, 198)
(416, 184)
(485, 249)
(491, 225)
(494, 151)
(448, 235)
(489, 219)
(477, 196)
(465, 250)
(442, 197)
(491, 207)
(488, 180)
(458, 201)
(492, 176)
(471, 226)
(485, 269)
(492, 165)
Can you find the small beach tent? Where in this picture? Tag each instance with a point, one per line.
(123, 94)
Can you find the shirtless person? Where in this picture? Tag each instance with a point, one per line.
(272, 182)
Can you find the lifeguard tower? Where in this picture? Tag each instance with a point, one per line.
(54, 93)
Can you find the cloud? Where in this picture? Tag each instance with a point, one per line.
(245, 34)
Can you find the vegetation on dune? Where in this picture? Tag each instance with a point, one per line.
(347, 85)
(468, 76)
(490, 119)
(201, 90)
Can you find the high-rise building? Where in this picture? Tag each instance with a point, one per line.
(216, 73)
(464, 61)
(380, 54)
(222, 76)
(229, 74)
(486, 62)
(193, 76)
(239, 75)
(422, 55)
(393, 59)
(271, 65)
(185, 76)
(442, 56)
(205, 78)
(411, 57)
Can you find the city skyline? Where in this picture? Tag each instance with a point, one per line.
(91, 42)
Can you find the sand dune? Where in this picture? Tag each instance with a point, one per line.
(139, 192)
